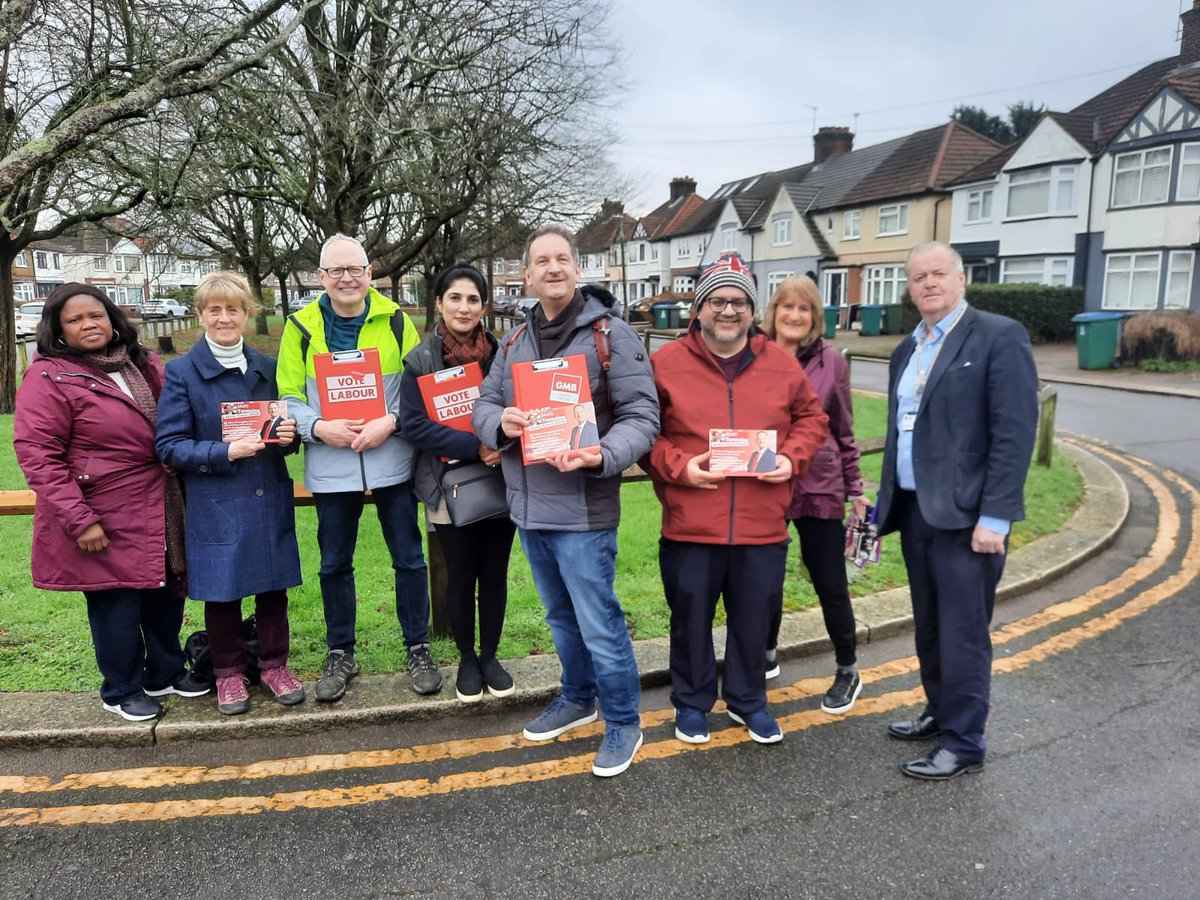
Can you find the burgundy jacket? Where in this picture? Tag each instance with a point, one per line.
(834, 475)
(768, 392)
(87, 451)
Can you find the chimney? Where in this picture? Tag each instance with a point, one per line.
(681, 187)
(831, 141)
(1189, 44)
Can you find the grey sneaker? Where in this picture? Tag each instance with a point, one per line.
(773, 663)
(426, 679)
(842, 693)
(560, 715)
(340, 666)
(617, 750)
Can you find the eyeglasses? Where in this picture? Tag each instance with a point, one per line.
(339, 271)
(739, 304)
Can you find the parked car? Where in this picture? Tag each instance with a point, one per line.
(28, 316)
(163, 308)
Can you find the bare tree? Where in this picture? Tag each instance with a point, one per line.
(83, 84)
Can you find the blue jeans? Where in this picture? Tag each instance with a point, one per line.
(337, 535)
(574, 572)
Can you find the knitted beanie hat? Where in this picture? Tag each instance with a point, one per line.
(730, 270)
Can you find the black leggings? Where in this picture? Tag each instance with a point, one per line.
(822, 548)
(477, 554)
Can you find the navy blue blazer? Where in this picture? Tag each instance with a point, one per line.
(975, 429)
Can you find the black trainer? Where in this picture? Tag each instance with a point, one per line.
(842, 693)
(339, 667)
(426, 679)
(499, 682)
(138, 708)
(189, 684)
(469, 683)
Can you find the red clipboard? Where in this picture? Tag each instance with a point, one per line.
(450, 395)
(350, 384)
(557, 394)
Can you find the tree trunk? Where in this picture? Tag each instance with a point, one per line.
(8, 339)
(284, 304)
(256, 284)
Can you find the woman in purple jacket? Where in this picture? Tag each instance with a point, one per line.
(794, 318)
(108, 519)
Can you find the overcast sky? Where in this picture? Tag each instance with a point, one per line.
(721, 90)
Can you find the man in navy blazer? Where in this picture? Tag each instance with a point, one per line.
(962, 414)
(762, 459)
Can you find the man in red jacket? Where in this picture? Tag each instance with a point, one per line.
(726, 537)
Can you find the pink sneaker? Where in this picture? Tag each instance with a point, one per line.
(284, 685)
(232, 696)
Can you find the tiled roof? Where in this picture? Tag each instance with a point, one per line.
(1114, 106)
(659, 223)
(1187, 85)
(818, 238)
(925, 160)
(600, 234)
(761, 188)
(986, 169)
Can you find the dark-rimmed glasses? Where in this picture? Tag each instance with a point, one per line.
(339, 271)
(739, 304)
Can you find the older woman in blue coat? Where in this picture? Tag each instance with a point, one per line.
(241, 521)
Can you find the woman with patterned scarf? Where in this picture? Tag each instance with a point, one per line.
(476, 554)
(109, 517)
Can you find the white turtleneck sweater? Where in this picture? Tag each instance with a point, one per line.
(230, 357)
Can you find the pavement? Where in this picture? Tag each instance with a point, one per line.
(46, 719)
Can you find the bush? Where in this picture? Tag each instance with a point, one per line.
(1170, 336)
(1045, 312)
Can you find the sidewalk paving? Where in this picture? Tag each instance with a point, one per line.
(1055, 363)
(29, 719)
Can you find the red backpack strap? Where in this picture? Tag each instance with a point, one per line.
(601, 332)
(512, 337)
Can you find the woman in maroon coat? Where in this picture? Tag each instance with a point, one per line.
(794, 318)
(108, 519)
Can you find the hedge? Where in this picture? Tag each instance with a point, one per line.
(1045, 312)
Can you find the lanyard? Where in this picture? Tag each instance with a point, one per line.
(922, 374)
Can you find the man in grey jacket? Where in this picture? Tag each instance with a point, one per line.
(567, 509)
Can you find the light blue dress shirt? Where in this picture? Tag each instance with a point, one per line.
(907, 402)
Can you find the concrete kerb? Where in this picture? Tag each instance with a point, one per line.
(76, 719)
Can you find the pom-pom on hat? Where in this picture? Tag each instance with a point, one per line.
(729, 270)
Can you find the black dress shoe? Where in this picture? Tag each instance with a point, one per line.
(939, 765)
(922, 728)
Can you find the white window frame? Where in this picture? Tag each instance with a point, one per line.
(1053, 270)
(729, 236)
(23, 291)
(21, 259)
(1141, 170)
(774, 280)
(1186, 270)
(683, 283)
(897, 210)
(1131, 264)
(683, 248)
(654, 253)
(497, 267)
(849, 217)
(41, 259)
(980, 204)
(781, 230)
(885, 283)
(1055, 178)
(118, 263)
(100, 263)
(1185, 150)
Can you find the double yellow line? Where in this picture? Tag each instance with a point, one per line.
(1164, 545)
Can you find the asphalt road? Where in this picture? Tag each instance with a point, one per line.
(1092, 786)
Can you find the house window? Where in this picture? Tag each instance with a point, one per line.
(497, 267)
(40, 259)
(133, 296)
(1141, 177)
(514, 267)
(113, 292)
(1189, 172)
(21, 260)
(978, 273)
(683, 248)
(979, 205)
(683, 284)
(728, 236)
(654, 253)
(100, 263)
(1047, 191)
(893, 219)
(852, 224)
(1131, 280)
(23, 291)
(781, 229)
(1054, 270)
(185, 267)
(640, 254)
(885, 284)
(213, 265)
(1179, 279)
(775, 279)
(166, 265)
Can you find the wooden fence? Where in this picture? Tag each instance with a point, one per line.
(153, 331)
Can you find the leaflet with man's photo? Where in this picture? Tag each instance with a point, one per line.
(558, 397)
(253, 420)
(741, 451)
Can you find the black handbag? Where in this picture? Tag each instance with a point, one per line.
(199, 657)
(473, 491)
